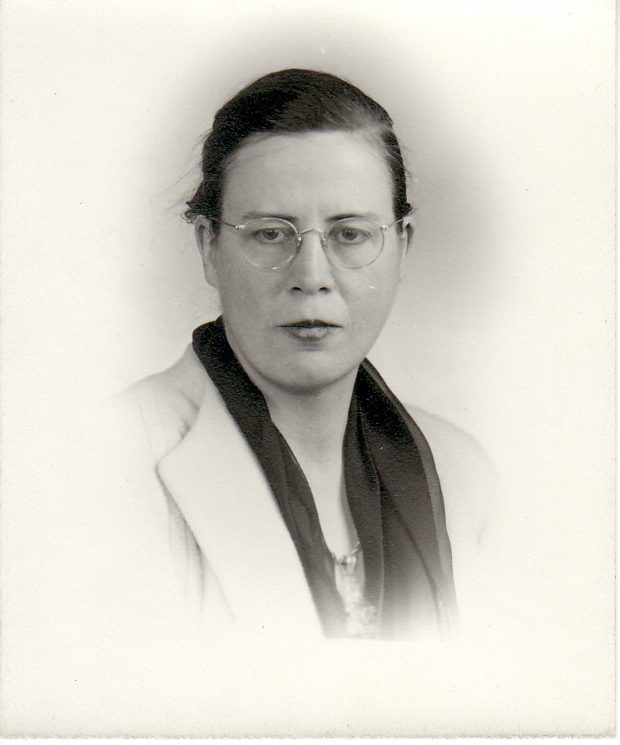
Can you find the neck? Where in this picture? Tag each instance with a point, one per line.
(312, 422)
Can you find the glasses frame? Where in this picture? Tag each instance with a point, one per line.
(323, 234)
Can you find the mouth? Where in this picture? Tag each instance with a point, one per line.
(310, 323)
(310, 329)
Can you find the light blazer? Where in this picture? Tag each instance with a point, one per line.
(212, 518)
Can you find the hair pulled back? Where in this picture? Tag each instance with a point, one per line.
(291, 101)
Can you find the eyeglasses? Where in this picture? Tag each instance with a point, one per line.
(272, 242)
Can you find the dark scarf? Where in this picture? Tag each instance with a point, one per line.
(392, 488)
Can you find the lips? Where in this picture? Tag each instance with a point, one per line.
(310, 323)
(310, 330)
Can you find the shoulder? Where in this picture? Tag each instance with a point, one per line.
(449, 441)
(164, 405)
(138, 427)
(468, 477)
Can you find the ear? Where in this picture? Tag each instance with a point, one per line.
(206, 241)
(407, 229)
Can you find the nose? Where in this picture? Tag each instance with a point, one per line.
(310, 271)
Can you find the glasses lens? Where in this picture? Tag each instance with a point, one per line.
(268, 242)
(354, 242)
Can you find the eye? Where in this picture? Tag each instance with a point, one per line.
(271, 234)
(351, 234)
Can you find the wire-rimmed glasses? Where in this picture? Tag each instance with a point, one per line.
(272, 242)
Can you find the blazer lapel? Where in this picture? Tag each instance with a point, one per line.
(225, 499)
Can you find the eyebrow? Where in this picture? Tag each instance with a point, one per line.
(255, 215)
(292, 219)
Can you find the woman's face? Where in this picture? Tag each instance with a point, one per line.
(310, 179)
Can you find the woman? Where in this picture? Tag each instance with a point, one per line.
(294, 491)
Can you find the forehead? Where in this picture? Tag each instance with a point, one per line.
(335, 172)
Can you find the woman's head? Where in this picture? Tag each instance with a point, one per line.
(287, 102)
(299, 152)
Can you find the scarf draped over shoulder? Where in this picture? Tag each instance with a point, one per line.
(393, 492)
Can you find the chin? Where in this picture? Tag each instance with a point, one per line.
(312, 378)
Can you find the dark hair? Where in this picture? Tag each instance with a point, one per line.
(292, 101)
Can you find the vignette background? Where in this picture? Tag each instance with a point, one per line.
(504, 323)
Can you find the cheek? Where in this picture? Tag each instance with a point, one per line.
(248, 301)
(376, 292)
(238, 288)
(368, 316)
(240, 300)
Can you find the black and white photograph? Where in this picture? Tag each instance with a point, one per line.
(308, 369)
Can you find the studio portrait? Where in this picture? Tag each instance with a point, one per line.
(308, 369)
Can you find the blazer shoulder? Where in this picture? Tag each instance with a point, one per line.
(165, 405)
(443, 434)
(468, 476)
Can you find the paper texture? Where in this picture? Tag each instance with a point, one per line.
(504, 325)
